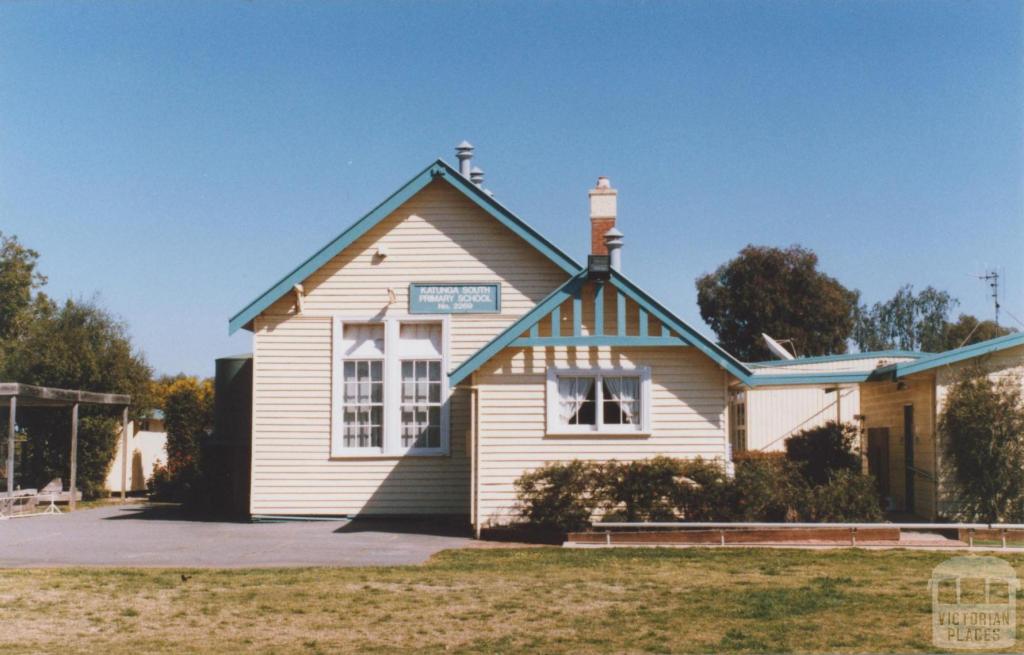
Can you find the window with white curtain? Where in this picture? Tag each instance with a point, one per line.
(390, 387)
(613, 401)
(362, 382)
(420, 353)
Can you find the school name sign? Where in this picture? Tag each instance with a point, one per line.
(444, 298)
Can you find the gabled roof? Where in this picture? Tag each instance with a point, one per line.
(930, 362)
(821, 359)
(629, 290)
(437, 170)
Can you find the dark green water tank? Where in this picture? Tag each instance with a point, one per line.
(232, 430)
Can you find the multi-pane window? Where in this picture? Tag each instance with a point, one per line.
(577, 400)
(621, 400)
(364, 403)
(597, 401)
(390, 387)
(362, 386)
(421, 404)
(738, 422)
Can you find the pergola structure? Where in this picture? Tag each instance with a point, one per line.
(15, 395)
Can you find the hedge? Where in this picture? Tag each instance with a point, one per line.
(568, 496)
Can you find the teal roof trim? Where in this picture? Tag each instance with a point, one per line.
(567, 291)
(698, 340)
(438, 169)
(838, 358)
(959, 354)
(506, 337)
(798, 379)
(602, 340)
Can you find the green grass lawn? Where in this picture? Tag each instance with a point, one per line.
(490, 600)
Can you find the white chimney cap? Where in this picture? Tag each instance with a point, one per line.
(612, 233)
(476, 176)
(465, 145)
(603, 183)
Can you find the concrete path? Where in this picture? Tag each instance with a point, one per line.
(137, 535)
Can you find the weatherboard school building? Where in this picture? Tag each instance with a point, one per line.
(440, 347)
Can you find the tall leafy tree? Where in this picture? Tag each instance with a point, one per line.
(78, 345)
(19, 280)
(968, 329)
(907, 321)
(779, 292)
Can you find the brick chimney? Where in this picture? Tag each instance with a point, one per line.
(603, 207)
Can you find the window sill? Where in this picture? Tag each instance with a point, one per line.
(416, 454)
(615, 434)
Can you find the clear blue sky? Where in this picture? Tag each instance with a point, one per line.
(176, 158)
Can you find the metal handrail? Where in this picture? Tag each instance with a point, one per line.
(724, 526)
(754, 524)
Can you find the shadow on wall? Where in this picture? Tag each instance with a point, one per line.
(138, 482)
(439, 526)
(432, 492)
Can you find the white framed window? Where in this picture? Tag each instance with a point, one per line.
(421, 359)
(738, 421)
(390, 387)
(603, 401)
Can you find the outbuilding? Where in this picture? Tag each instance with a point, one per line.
(899, 397)
(765, 415)
(901, 404)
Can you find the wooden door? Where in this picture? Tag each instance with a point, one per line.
(878, 460)
(908, 454)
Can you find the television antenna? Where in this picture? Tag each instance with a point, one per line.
(992, 278)
(777, 348)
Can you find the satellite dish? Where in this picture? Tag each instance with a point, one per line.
(777, 349)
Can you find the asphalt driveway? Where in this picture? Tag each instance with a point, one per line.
(140, 535)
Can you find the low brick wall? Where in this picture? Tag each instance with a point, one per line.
(738, 536)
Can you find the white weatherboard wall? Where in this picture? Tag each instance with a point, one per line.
(773, 415)
(437, 236)
(1005, 364)
(689, 396)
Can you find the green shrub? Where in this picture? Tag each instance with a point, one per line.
(820, 452)
(188, 406)
(159, 483)
(848, 497)
(561, 496)
(768, 487)
(46, 454)
(981, 430)
(704, 492)
(642, 490)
